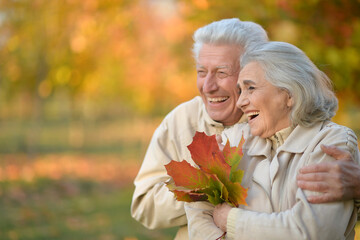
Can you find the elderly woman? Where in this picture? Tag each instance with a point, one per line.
(289, 104)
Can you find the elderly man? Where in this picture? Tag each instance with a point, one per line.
(217, 49)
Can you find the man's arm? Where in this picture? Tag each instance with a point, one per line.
(338, 180)
(153, 204)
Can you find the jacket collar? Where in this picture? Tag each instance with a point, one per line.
(296, 142)
(300, 138)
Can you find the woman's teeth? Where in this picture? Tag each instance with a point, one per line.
(252, 115)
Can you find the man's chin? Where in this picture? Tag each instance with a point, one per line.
(216, 117)
(231, 120)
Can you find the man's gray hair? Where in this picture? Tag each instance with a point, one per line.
(287, 67)
(230, 32)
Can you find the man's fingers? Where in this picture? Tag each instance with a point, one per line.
(219, 141)
(336, 152)
(321, 167)
(218, 138)
(313, 186)
(315, 177)
(321, 198)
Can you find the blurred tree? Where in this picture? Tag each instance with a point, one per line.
(100, 51)
(328, 31)
(54, 46)
(136, 54)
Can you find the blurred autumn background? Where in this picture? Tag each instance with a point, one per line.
(84, 83)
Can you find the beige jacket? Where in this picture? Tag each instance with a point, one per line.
(153, 204)
(277, 208)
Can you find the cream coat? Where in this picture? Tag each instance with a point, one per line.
(277, 208)
(153, 204)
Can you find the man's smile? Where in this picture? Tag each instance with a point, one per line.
(217, 99)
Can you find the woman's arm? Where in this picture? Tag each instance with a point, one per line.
(200, 221)
(303, 220)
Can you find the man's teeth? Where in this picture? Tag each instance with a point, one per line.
(218, 99)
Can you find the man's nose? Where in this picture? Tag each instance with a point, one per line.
(210, 83)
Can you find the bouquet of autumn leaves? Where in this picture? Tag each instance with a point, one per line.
(217, 179)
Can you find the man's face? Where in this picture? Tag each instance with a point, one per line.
(217, 73)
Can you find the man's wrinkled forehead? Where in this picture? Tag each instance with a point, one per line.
(226, 66)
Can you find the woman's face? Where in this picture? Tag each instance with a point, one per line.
(266, 106)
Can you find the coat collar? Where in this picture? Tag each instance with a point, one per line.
(296, 142)
(300, 138)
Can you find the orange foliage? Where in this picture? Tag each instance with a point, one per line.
(217, 179)
(138, 53)
(97, 168)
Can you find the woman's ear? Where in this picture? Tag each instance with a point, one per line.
(290, 101)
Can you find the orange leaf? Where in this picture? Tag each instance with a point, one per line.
(218, 179)
(186, 175)
(189, 196)
(206, 154)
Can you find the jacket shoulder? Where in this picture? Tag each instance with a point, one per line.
(185, 114)
(343, 132)
(194, 104)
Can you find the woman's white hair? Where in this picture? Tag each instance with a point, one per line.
(287, 67)
(229, 31)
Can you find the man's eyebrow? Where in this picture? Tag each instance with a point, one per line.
(216, 68)
(223, 66)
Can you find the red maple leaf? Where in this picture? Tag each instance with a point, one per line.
(217, 178)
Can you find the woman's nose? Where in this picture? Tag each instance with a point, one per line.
(243, 101)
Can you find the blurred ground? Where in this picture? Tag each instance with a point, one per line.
(69, 197)
(73, 180)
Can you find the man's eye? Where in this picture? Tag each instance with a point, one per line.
(251, 88)
(222, 74)
(201, 73)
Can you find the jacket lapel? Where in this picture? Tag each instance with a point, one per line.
(259, 150)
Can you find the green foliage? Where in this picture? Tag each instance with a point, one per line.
(69, 209)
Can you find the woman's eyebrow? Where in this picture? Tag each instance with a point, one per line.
(249, 82)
